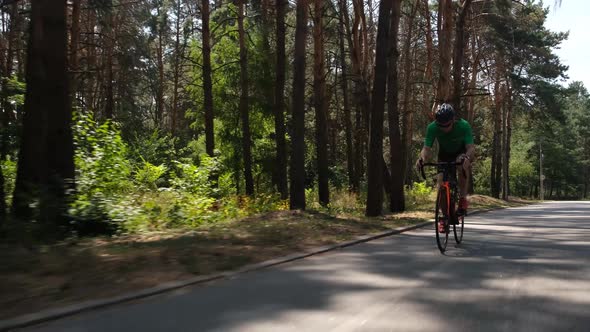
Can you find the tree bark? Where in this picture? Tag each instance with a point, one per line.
(244, 103)
(160, 63)
(496, 169)
(6, 68)
(207, 81)
(344, 85)
(74, 44)
(445, 47)
(297, 170)
(361, 89)
(507, 138)
(46, 164)
(429, 43)
(92, 80)
(473, 81)
(374, 170)
(281, 153)
(320, 105)
(406, 132)
(110, 45)
(176, 72)
(459, 54)
(396, 198)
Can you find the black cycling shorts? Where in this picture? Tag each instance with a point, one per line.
(444, 156)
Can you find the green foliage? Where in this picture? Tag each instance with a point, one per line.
(418, 194)
(344, 201)
(481, 176)
(102, 169)
(9, 172)
(15, 91)
(523, 173)
(147, 175)
(172, 194)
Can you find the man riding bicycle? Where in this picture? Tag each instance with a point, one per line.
(455, 141)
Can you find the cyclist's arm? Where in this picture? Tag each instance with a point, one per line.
(470, 151)
(426, 153)
(469, 146)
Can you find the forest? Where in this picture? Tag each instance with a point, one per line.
(127, 116)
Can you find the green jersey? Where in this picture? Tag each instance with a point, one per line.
(451, 142)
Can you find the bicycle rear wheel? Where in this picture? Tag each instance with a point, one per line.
(459, 221)
(441, 238)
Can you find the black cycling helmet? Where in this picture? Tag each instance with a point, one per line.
(444, 113)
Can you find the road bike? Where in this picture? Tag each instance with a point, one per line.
(447, 198)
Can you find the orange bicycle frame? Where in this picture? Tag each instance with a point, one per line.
(447, 190)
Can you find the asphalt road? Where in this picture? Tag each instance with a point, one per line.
(520, 269)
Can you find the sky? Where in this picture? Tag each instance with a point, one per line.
(572, 16)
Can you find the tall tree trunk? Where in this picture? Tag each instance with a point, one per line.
(321, 105)
(471, 101)
(374, 170)
(60, 141)
(207, 81)
(91, 65)
(459, 54)
(406, 137)
(297, 169)
(74, 43)
(445, 47)
(344, 84)
(281, 155)
(46, 163)
(429, 72)
(7, 68)
(356, 39)
(396, 198)
(473, 80)
(507, 131)
(496, 169)
(6, 117)
(110, 45)
(244, 107)
(429, 43)
(160, 63)
(176, 72)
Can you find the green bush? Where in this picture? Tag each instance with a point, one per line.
(481, 176)
(9, 172)
(148, 175)
(102, 170)
(418, 194)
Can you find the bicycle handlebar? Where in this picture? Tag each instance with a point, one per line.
(444, 164)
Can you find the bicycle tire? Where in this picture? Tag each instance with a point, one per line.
(459, 225)
(441, 239)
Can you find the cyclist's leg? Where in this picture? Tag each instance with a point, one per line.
(463, 183)
(443, 157)
(463, 179)
(443, 194)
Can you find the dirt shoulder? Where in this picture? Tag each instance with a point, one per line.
(52, 276)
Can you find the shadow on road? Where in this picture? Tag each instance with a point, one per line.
(517, 270)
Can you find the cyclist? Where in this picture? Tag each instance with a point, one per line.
(455, 141)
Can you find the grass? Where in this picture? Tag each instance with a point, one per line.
(83, 269)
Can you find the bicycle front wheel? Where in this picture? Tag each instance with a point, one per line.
(442, 233)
